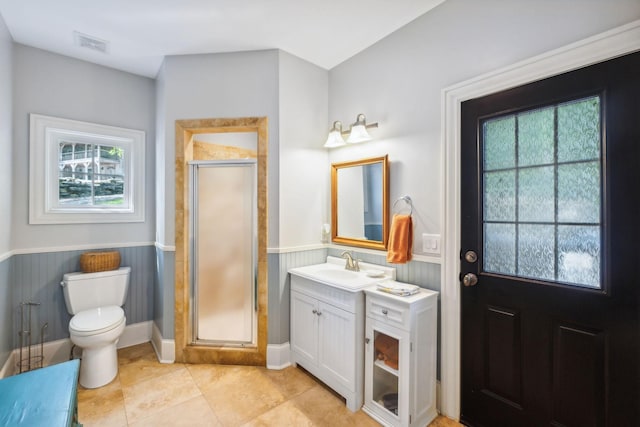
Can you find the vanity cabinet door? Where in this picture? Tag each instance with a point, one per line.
(337, 346)
(304, 326)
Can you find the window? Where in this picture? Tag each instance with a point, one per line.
(542, 193)
(84, 172)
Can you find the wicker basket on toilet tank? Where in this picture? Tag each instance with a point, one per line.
(92, 262)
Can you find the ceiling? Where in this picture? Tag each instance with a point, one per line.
(140, 33)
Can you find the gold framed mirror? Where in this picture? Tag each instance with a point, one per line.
(360, 203)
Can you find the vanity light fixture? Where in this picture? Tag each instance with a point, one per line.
(357, 133)
(335, 136)
(359, 130)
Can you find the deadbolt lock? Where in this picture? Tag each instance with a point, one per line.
(471, 256)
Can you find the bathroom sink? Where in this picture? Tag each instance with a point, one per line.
(333, 273)
(339, 275)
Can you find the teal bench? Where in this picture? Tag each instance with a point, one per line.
(45, 397)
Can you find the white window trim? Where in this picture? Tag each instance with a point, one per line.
(45, 133)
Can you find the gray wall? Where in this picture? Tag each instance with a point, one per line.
(303, 161)
(36, 256)
(6, 137)
(398, 81)
(55, 85)
(6, 146)
(214, 86)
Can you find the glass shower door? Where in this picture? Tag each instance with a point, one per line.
(224, 253)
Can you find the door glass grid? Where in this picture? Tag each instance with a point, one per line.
(542, 193)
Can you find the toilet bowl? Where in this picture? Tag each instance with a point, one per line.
(97, 331)
(95, 300)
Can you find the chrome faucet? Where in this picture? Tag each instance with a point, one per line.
(352, 263)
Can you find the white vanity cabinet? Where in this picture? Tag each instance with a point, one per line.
(327, 336)
(400, 358)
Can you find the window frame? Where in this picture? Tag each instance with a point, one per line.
(45, 135)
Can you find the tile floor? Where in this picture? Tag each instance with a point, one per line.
(148, 393)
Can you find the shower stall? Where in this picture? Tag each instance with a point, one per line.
(223, 239)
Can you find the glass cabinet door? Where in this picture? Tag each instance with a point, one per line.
(383, 365)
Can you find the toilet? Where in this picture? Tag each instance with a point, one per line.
(95, 300)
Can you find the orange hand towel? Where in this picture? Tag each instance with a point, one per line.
(400, 239)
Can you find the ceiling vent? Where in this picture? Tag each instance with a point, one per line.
(90, 42)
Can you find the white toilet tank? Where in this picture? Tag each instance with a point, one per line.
(83, 291)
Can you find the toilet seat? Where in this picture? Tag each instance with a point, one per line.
(96, 320)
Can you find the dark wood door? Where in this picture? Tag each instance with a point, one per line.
(550, 188)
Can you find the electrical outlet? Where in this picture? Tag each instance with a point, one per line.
(431, 244)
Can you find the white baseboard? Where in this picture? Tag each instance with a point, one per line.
(59, 351)
(278, 356)
(135, 334)
(165, 349)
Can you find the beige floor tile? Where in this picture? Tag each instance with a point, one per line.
(206, 375)
(194, 412)
(442, 421)
(285, 414)
(145, 398)
(115, 418)
(147, 393)
(102, 406)
(324, 408)
(361, 419)
(290, 381)
(136, 352)
(238, 397)
(139, 363)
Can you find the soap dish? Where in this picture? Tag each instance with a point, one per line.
(375, 273)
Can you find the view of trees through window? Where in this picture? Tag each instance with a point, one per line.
(90, 175)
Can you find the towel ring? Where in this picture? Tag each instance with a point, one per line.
(407, 200)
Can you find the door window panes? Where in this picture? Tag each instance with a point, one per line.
(500, 248)
(535, 194)
(535, 137)
(500, 197)
(579, 130)
(500, 135)
(542, 193)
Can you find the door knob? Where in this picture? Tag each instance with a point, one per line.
(469, 279)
